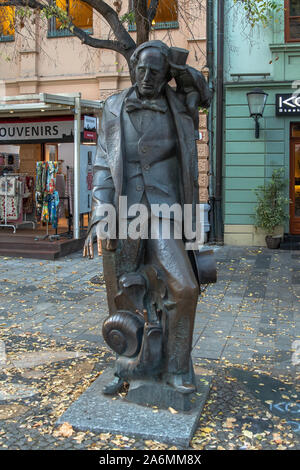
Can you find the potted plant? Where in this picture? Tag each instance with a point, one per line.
(271, 209)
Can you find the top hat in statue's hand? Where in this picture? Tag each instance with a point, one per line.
(177, 60)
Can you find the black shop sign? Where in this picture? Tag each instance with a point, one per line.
(288, 104)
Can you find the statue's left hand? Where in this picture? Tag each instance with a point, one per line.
(95, 231)
(88, 249)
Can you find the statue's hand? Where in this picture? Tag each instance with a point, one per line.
(109, 244)
(192, 104)
(88, 249)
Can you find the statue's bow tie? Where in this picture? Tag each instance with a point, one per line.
(133, 104)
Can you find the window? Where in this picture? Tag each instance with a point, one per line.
(166, 12)
(81, 14)
(292, 20)
(7, 23)
(296, 131)
(166, 15)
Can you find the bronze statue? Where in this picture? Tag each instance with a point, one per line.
(147, 152)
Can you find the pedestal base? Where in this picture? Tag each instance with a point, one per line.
(150, 393)
(96, 412)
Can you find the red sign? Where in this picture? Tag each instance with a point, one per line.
(89, 135)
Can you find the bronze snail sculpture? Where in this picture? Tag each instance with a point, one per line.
(123, 332)
(135, 330)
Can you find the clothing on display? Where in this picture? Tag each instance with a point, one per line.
(53, 208)
(28, 201)
(8, 186)
(70, 186)
(47, 198)
(12, 195)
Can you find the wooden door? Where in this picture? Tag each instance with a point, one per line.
(295, 186)
(29, 155)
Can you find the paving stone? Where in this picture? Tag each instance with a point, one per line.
(33, 359)
(11, 391)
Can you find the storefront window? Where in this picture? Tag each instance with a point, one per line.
(292, 20)
(7, 19)
(296, 130)
(166, 15)
(81, 14)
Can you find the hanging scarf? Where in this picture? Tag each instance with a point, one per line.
(45, 210)
(53, 205)
(51, 176)
(47, 199)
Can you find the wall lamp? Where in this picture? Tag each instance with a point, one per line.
(257, 99)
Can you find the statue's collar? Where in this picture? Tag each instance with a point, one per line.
(116, 103)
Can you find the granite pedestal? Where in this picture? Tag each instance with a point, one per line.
(99, 413)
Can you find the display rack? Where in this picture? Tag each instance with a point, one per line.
(7, 222)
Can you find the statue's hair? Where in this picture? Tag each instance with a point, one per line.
(161, 46)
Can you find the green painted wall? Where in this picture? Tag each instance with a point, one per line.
(248, 162)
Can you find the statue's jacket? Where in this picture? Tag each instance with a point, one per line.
(110, 157)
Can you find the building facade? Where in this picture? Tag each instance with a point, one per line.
(268, 58)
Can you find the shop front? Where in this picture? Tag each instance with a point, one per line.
(250, 160)
(47, 149)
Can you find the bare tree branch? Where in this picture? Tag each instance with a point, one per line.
(98, 43)
(123, 43)
(112, 18)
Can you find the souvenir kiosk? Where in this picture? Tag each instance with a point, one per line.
(47, 149)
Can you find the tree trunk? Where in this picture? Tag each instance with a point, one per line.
(141, 20)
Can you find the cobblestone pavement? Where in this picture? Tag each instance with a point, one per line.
(246, 338)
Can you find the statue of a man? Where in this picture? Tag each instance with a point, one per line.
(147, 152)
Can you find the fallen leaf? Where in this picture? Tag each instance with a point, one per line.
(174, 412)
(65, 430)
(207, 429)
(276, 438)
(248, 434)
(104, 436)
(229, 423)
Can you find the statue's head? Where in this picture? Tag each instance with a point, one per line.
(150, 68)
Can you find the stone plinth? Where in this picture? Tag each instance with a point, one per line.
(98, 413)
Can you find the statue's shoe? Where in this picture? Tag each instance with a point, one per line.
(113, 387)
(178, 382)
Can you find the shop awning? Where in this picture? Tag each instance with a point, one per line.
(29, 105)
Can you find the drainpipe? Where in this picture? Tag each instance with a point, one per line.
(77, 128)
(210, 66)
(219, 123)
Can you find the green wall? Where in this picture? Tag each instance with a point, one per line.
(248, 161)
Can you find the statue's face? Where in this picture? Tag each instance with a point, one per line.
(151, 72)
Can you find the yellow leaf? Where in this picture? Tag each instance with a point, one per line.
(207, 429)
(104, 436)
(65, 430)
(229, 423)
(276, 438)
(248, 434)
(174, 412)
